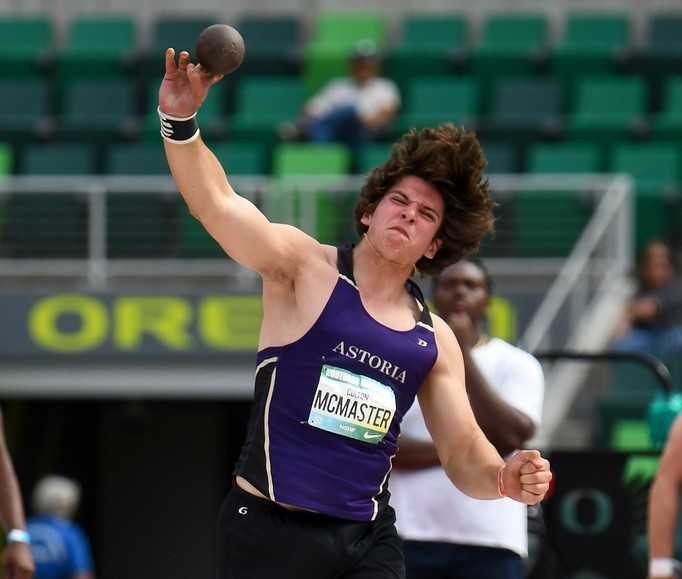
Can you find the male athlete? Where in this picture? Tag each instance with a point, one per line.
(346, 343)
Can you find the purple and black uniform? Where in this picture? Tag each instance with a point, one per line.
(326, 418)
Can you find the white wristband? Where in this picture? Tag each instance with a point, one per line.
(661, 567)
(18, 536)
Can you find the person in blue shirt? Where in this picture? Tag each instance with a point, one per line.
(59, 546)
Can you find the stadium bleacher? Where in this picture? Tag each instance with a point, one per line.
(591, 87)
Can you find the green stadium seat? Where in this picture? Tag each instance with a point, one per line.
(667, 124)
(433, 101)
(501, 156)
(255, 118)
(548, 223)
(371, 156)
(592, 44)
(512, 45)
(335, 35)
(608, 109)
(524, 110)
(25, 113)
(294, 160)
(273, 45)
(329, 160)
(566, 158)
(97, 47)
(58, 159)
(85, 118)
(623, 406)
(211, 114)
(661, 56)
(6, 159)
(655, 168)
(242, 158)
(141, 225)
(137, 159)
(180, 33)
(25, 45)
(45, 226)
(430, 46)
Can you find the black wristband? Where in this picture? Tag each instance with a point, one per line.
(177, 130)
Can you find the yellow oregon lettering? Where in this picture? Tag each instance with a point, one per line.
(165, 318)
(230, 323)
(502, 319)
(93, 330)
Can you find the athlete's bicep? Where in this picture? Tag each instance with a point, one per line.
(443, 398)
(246, 235)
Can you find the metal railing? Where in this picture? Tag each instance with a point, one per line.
(597, 266)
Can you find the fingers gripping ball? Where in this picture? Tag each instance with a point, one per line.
(220, 49)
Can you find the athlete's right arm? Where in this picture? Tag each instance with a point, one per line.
(235, 223)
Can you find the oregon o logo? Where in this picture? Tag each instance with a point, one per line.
(600, 508)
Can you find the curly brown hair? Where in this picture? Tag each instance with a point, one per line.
(452, 161)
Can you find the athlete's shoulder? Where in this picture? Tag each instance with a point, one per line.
(445, 337)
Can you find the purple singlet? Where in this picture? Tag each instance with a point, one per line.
(326, 417)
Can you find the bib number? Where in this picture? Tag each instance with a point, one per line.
(352, 405)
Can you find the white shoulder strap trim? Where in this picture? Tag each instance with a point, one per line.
(349, 280)
(423, 325)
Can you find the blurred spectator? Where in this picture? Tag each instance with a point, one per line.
(350, 110)
(448, 534)
(652, 323)
(664, 508)
(16, 557)
(60, 548)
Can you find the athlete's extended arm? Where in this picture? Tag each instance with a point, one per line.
(16, 558)
(235, 223)
(469, 460)
(664, 498)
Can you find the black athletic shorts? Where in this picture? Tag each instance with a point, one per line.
(258, 539)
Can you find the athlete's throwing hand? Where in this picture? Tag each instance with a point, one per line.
(185, 86)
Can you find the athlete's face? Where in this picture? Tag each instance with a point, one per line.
(462, 288)
(405, 222)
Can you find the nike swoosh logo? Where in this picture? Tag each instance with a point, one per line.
(369, 436)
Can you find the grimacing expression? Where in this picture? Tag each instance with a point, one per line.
(462, 288)
(406, 220)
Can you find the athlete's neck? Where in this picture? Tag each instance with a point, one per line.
(381, 277)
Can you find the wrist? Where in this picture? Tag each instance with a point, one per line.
(18, 536)
(178, 130)
(661, 567)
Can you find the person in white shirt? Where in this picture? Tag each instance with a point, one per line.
(446, 534)
(353, 109)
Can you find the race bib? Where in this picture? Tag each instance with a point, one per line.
(352, 405)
